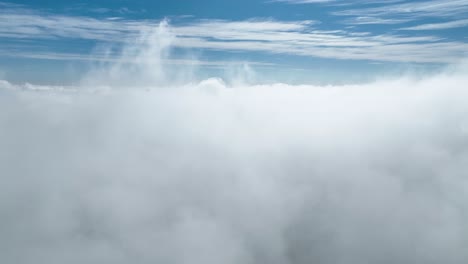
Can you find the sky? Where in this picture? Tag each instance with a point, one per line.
(285, 40)
(252, 132)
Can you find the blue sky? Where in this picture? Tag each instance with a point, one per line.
(316, 40)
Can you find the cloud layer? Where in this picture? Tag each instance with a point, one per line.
(206, 173)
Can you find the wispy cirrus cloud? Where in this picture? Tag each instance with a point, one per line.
(298, 2)
(393, 12)
(106, 58)
(303, 38)
(439, 26)
(30, 24)
(432, 8)
(403, 11)
(336, 2)
(369, 20)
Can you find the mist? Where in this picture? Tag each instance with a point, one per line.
(138, 164)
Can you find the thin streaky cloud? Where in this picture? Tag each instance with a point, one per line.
(299, 38)
(293, 37)
(440, 26)
(366, 20)
(335, 2)
(433, 8)
(107, 58)
(298, 2)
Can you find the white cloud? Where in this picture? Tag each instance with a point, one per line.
(38, 26)
(335, 2)
(301, 1)
(366, 20)
(439, 26)
(106, 58)
(412, 9)
(316, 43)
(242, 174)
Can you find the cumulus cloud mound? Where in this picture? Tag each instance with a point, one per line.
(214, 173)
